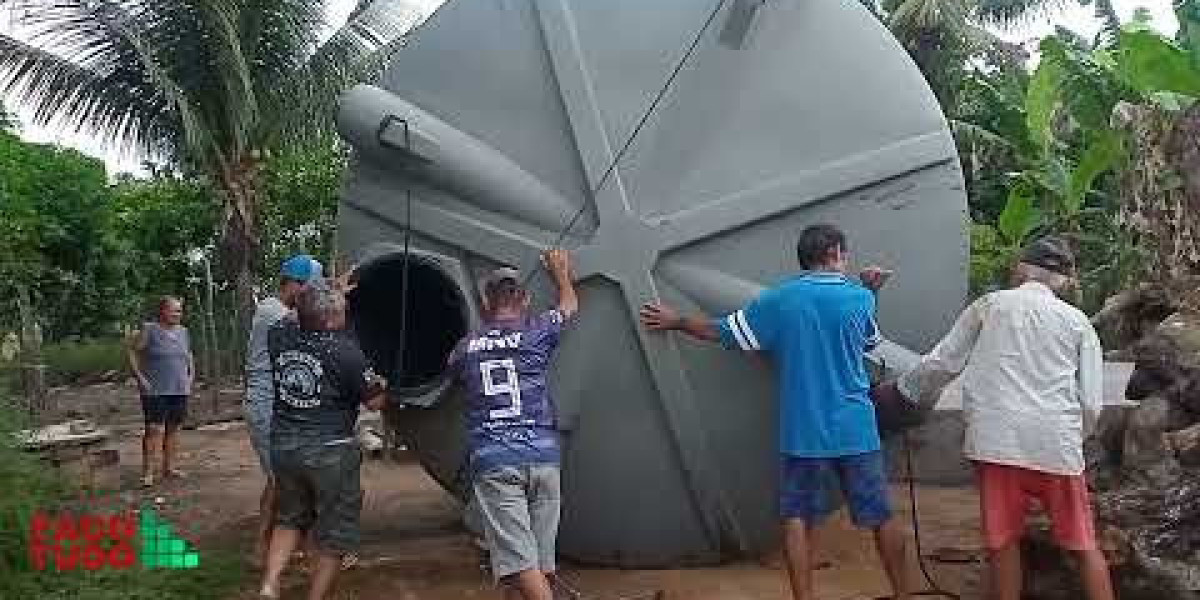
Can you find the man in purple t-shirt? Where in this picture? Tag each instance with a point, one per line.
(511, 432)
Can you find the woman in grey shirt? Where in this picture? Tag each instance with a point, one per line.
(161, 358)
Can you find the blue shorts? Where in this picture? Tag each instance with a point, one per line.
(807, 487)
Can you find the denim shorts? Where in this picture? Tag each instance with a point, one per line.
(320, 491)
(520, 508)
(807, 488)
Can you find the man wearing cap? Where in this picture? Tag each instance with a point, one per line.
(1031, 372)
(295, 273)
(511, 430)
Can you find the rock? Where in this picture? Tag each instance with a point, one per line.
(1131, 315)
(1148, 508)
(1105, 448)
(1145, 457)
(1051, 573)
(1185, 445)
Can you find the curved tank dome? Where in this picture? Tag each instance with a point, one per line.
(489, 133)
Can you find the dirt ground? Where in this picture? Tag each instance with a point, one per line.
(415, 548)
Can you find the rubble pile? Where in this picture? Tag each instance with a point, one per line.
(1144, 466)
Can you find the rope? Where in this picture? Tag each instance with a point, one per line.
(612, 166)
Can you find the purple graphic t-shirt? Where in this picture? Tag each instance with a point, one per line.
(510, 415)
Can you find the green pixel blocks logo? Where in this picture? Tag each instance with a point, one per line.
(161, 547)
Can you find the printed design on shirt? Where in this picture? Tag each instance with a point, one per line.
(493, 340)
(299, 378)
(508, 386)
(370, 376)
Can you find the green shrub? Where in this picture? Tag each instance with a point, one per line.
(991, 259)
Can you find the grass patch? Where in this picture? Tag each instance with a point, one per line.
(30, 487)
(218, 576)
(68, 362)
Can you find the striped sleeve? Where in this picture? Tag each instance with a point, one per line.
(751, 328)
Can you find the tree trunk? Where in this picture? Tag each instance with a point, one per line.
(241, 238)
(33, 371)
(1161, 195)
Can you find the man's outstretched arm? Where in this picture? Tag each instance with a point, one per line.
(660, 317)
(558, 262)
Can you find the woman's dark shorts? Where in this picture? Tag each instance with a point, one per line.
(164, 410)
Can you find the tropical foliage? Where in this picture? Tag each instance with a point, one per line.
(1044, 150)
(91, 256)
(211, 87)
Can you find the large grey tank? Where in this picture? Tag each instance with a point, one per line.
(488, 134)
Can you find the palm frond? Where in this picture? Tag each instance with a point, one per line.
(1010, 14)
(61, 92)
(357, 52)
(980, 40)
(1110, 22)
(220, 19)
(913, 16)
(979, 136)
(278, 37)
(108, 75)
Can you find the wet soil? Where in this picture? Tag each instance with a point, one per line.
(414, 547)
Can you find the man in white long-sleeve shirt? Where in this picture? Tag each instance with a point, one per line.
(1031, 370)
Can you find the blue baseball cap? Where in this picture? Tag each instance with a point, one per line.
(302, 268)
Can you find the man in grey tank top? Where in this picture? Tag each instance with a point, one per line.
(160, 356)
(294, 275)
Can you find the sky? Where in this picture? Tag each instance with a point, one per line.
(1080, 19)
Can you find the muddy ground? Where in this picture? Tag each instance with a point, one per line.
(414, 547)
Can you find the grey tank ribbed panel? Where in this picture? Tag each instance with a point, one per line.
(500, 118)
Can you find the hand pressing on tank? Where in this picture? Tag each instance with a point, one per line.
(347, 281)
(557, 262)
(657, 316)
(874, 277)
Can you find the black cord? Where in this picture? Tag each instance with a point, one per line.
(612, 166)
(934, 589)
(402, 350)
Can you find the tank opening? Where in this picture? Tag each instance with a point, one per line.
(436, 319)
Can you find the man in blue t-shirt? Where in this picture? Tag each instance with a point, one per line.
(816, 327)
(512, 435)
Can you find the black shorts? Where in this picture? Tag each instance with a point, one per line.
(164, 410)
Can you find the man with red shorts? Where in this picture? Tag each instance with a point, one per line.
(1031, 369)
